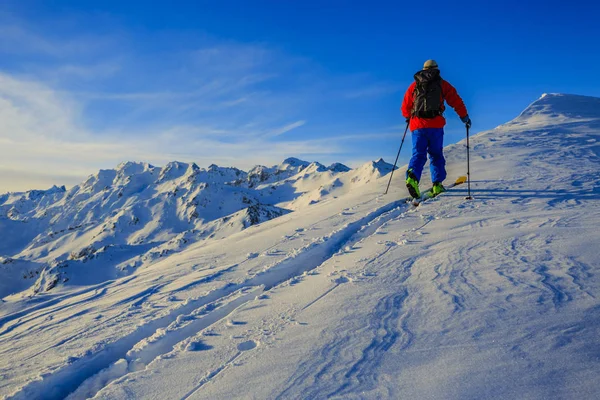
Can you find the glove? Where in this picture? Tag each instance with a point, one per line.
(466, 120)
(408, 120)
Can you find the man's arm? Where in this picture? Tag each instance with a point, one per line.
(453, 99)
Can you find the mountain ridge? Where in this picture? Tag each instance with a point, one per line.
(138, 209)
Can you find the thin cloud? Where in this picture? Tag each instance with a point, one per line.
(285, 129)
(40, 133)
(32, 110)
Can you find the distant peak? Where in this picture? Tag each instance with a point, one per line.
(295, 162)
(338, 167)
(316, 166)
(380, 165)
(176, 165)
(174, 170)
(57, 189)
(133, 164)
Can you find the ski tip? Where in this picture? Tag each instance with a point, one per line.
(461, 179)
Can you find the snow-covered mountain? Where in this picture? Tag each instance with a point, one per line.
(125, 218)
(353, 295)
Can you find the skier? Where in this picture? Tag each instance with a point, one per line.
(423, 108)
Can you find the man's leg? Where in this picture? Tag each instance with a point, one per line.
(436, 154)
(419, 154)
(418, 160)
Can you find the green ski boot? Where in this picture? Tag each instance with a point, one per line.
(412, 184)
(437, 189)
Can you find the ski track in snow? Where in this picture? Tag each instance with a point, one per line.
(32, 313)
(133, 301)
(210, 376)
(124, 281)
(65, 381)
(323, 376)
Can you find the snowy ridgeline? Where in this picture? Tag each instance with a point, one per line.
(124, 218)
(357, 296)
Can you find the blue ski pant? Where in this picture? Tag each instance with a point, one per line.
(428, 140)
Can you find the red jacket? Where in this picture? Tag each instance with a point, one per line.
(448, 93)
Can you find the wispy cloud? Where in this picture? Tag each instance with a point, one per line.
(93, 102)
(39, 132)
(285, 129)
(30, 110)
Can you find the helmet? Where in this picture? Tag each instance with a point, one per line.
(430, 64)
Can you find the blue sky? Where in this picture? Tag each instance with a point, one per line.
(87, 84)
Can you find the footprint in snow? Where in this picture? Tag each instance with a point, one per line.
(341, 279)
(197, 346)
(249, 345)
(235, 323)
(273, 252)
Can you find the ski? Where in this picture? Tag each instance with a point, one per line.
(429, 195)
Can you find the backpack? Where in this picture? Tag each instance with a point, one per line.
(428, 100)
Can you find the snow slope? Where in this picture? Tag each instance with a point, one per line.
(358, 295)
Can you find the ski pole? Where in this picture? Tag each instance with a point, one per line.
(468, 168)
(395, 162)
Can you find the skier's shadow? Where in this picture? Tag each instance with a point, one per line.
(556, 196)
